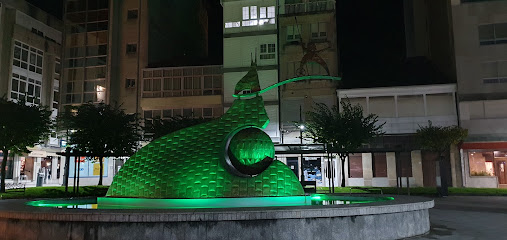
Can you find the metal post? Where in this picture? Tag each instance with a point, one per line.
(66, 169)
(75, 174)
(78, 174)
(301, 143)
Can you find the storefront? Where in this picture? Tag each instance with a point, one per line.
(485, 164)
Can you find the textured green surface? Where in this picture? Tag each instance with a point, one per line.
(252, 145)
(190, 163)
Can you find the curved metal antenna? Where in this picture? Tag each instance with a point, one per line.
(285, 82)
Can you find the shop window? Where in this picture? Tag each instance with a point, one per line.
(488, 163)
(379, 164)
(356, 165)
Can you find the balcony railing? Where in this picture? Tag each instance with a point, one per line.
(307, 7)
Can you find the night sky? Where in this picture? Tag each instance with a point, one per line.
(54, 7)
(371, 41)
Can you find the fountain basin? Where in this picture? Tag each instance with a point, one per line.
(399, 218)
(143, 203)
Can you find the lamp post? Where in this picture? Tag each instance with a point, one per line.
(301, 128)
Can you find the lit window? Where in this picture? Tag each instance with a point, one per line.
(271, 12)
(246, 13)
(253, 12)
(232, 24)
(262, 11)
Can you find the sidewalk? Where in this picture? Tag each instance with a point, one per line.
(466, 217)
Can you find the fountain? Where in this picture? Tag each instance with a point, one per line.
(217, 180)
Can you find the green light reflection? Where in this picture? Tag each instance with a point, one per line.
(144, 203)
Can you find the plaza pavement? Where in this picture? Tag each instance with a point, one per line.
(467, 217)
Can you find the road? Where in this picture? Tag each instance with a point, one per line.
(467, 217)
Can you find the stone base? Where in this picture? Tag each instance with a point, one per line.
(401, 218)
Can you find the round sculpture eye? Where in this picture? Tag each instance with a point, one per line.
(249, 152)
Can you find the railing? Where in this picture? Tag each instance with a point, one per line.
(306, 7)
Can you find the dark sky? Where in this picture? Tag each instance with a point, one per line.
(371, 40)
(54, 7)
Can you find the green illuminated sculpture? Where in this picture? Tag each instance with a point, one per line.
(228, 157)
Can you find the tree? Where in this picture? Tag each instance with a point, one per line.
(439, 139)
(162, 127)
(101, 130)
(342, 131)
(21, 125)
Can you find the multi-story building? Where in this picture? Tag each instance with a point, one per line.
(480, 44)
(251, 35)
(30, 62)
(124, 52)
(194, 91)
(307, 45)
(403, 110)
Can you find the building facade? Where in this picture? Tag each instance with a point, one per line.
(30, 69)
(251, 35)
(403, 110)
(480, 43)
(123, 52)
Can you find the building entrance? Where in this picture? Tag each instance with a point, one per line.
(501, 171)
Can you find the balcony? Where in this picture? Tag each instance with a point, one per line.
(307, 7)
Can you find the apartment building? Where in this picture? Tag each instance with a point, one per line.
(30, 69)
(251, 35)
(480, 43)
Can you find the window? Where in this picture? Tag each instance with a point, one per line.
(26, 88)
(379, 163)
(318, 30)
(494, 72)
(253, 16)
(490, 34)
(232, 24)
(268, 51)
(132, 14)
(58, 66)
(488, 163)
(130, 83)
(253, 12)
(131, 48)
(246, 13)
(27, 57)
(56, 93)
(294, 33)
(271, 12)
(187, 81)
